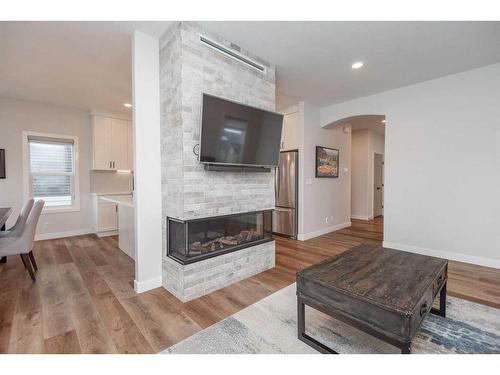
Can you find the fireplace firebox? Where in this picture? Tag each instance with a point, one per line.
(193, 240)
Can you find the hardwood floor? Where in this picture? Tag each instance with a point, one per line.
(84, 302)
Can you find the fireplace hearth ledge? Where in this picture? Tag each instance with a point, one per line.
(190, 281)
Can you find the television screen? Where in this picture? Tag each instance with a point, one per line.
(237, 134)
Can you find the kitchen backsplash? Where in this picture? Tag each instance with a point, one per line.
(110, 182)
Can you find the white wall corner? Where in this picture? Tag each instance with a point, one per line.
(361, 217)
(308, 236)
(144, 286)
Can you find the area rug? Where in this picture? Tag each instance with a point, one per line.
(270, 326)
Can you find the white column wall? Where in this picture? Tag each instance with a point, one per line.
(147, 162)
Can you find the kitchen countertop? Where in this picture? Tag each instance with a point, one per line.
(109, 194)
(125, 200)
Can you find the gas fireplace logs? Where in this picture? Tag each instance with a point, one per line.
(224, 241)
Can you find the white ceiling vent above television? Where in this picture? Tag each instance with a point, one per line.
(231, 53)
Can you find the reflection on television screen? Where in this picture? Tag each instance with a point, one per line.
(232, 140)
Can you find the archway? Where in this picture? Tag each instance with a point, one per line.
(367, 165)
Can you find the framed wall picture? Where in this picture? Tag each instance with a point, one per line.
(327, 162)
(2, 163)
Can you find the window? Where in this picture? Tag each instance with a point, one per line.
(51, 170)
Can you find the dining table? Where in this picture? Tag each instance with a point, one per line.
(5, 212)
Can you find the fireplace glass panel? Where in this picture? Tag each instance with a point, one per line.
(177, 236)
(198, 239)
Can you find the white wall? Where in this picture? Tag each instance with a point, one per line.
(147, 162)
(442, 170)
(286, 103)
(365, 143)
(19, 115)
(377, 142)
(377, 145)
(359, 174)
(321, 198)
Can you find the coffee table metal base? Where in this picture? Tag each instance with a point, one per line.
(322, 348)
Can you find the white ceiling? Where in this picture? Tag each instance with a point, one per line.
(314, 58)
(77, 64)
(88, 64)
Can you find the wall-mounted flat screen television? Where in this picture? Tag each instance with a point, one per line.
(239, 135)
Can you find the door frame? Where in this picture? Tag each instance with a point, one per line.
(373, 182)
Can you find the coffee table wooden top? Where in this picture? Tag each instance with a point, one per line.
(385, 277)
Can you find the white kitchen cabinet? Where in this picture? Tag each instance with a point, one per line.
(111, 141)
(105, 217)
(126, 229)
(108, 218)
(119, 143)
(101, 136)
(289, 134)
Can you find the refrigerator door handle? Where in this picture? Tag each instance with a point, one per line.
(277, 182)
(276, 185)
(279, 179)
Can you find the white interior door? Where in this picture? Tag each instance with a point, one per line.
(378, 185)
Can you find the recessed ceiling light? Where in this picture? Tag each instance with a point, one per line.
(383, 121)
(357, 65)
(128, 105)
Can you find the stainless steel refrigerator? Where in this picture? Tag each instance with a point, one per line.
(286, 189)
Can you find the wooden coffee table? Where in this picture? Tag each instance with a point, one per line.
(384, 292)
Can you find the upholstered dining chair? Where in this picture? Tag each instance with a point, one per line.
(22, 244)
(17, 228)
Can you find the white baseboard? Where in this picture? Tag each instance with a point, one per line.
(107, 233)
(362, 217)
(144, 286)
(307, 236)
(71, 233)
(480, 261)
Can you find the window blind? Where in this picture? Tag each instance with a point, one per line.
(51, 164)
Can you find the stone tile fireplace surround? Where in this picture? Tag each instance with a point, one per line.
(187, 70)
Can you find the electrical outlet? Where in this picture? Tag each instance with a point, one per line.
(326, 220)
